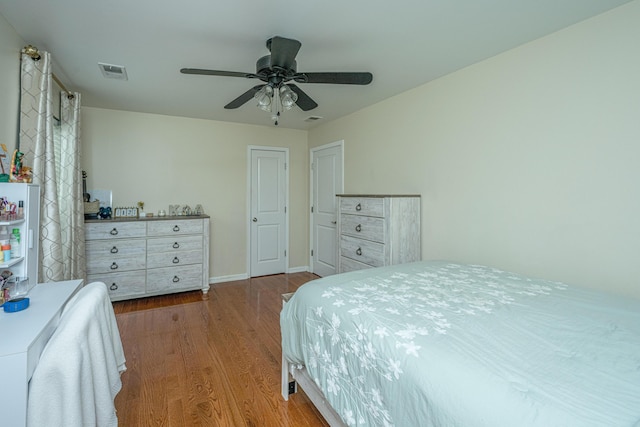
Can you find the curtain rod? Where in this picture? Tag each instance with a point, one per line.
(34, 54)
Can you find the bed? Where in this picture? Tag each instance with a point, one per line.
(445, 344)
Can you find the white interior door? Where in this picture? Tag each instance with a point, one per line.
(268, 220)
(327, 172)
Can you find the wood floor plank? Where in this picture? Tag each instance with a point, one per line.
(213, 361)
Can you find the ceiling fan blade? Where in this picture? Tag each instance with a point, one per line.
(242, 99)
(304, 101)
(283, 52)
(216, 73)
(335, 78)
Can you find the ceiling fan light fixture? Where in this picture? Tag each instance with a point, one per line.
(264, 96)
(276, 69)
(288, 97)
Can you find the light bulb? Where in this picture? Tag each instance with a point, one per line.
(264, 97)
(288, 97)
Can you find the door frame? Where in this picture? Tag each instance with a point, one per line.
(285, 150)
(312, 151)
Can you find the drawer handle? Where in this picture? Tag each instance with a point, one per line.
(114, 266)
(176, 245)
(114, 232)
(114, 250)
(359, 251)
(358, 228)
(176, 228)
(176, 260)
(113, 287)
(176, 279)
(358, 207)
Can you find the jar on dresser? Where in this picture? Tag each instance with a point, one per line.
(377, 230)
(144, 257)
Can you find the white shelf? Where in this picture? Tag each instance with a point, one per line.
(11, 262)
(12, 222)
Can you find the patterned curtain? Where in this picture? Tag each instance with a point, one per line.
(37, 144)
(69, 174)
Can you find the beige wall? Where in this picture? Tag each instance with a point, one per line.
(164, 160)
(10, 46)
(528, 161)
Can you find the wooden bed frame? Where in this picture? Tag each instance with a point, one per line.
(294, 374)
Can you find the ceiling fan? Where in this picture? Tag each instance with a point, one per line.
(277, 70)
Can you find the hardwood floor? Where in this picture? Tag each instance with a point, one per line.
(212, 362)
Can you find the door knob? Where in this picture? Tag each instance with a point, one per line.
(255, 219)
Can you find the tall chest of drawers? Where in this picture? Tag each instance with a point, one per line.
(139, 258)
(377, 230)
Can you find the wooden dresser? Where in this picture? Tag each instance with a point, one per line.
(143, 257)
(377, 230)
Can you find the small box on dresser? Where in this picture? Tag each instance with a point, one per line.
(377, 230)
(144, 257)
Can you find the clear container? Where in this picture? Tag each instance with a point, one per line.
(4, 234)
(15, 287)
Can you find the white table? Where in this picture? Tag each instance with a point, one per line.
(23, 336)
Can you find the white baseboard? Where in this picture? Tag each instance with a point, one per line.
(244, 276)
(302, 269)
(222, 279)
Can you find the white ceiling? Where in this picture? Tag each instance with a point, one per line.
(403, 43)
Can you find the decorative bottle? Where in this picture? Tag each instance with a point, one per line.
(15, 243)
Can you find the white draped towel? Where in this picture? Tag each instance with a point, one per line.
(78, 375)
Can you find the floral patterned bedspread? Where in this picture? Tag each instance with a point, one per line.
(443, 344)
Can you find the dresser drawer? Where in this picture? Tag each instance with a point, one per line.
(369, 206)
(364, 227)
(169, 259)
(116, 263)
(174, 244)
(174, 278)
(348, 264)
(114, 230)
(122, 285)
(174, 227)
(114, 249)
(364, 251)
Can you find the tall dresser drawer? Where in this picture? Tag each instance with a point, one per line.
(114, 230)
(349, 264)
(173, 278)
(369, 206)
(174, 227)
(364, 227)
(364, 251)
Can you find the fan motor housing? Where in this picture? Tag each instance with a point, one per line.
(263, 66)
